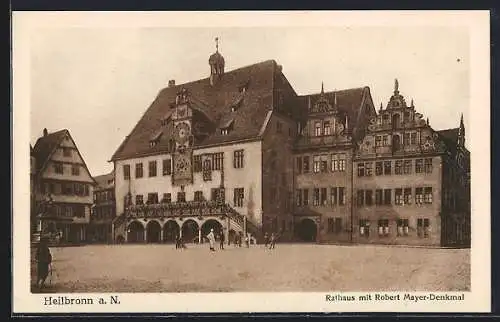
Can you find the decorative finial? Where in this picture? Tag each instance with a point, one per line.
(396, 86)
(217, 44)
(346, 122)
(322, 88)
(462, 120)
(427, 121)
(381, 106)
(335, 99)
(411, 103)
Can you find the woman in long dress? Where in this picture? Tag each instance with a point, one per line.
(211, 239)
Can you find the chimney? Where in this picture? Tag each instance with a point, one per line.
(171, 83)
(45, 132)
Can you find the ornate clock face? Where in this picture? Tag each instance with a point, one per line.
(182, 133)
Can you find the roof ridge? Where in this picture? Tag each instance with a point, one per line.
(336, 91)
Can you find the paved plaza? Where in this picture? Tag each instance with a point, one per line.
(289, 267)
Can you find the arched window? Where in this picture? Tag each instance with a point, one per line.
(396, 120)
(396, 142)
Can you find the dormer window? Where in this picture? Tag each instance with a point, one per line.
(237, 103)
(155, 138)
(227, 127)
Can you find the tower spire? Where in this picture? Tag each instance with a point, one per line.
(396, 86)
(322, 88)
(217, 44)
(461, 131)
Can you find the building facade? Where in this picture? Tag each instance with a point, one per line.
(240, 152)
(63, 188)
(103, 210)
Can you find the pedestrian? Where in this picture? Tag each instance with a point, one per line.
(44, 259)
(221, 241)
(177, 241)
(211, 240)
(272, 241)
(266, 240)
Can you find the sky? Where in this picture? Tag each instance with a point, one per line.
(97, 82)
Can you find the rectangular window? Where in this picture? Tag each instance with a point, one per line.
(126, 172)
(407, 196)
(138, 170)
(305, 161)
(419, 195)
(238, 197)
(75, 169)
(298, 197)
(139, 200)
(413, 138)
(58, 168)
(152, 168)
(181, 196)
(368, 168)
(218, 160)
(341, 200)
(406, 138)
(407, 165)
(378, 168)
(403, 227)
(364, 227)
(333, 196)
(423, 227)
(167, 198)
(419, 165)
(238, 161)
(398, 168)
(383, 227)
(66, 151)
(316, 161)
(387, 167)
(152, 198)
(167, 167)
(379, 200)
(398, 196)
(86, 189)
(69, 211)
(326, 128)
(428, 194)
(387, 196)
(306, 197)
(316, 197)
(378, 141)
(299, 164)
(279, 127)
(385, 140)
(197, 167)
(317, 129)
(428, 165)
(360, 198)
(323, 200)
(198, 196)
(361, 169)
(324, 163)
(369, 197)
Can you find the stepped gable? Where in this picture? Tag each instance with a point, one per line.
(215, 104)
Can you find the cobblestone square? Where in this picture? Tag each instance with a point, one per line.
(289, 267)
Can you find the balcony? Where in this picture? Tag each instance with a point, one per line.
(184, 209)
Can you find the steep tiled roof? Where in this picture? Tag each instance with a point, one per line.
(211, 103)
(45, 145)
(105, 181)
(450, 138)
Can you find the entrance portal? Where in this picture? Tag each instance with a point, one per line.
(153, 229)
(135, 232)
(170, 231)
(307, 230)
(190, 231)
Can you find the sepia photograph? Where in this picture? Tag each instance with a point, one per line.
(204, 158)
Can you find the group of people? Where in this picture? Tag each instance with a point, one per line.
(269, 241)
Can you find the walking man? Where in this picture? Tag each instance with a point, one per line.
(44, 259)
(266, 240)
(273, 241)
(211, 240)
(221, 242)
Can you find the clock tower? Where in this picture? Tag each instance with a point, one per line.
(182, 155)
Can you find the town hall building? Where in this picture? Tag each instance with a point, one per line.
(241, 152)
